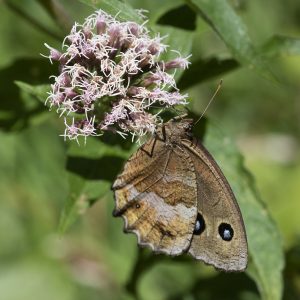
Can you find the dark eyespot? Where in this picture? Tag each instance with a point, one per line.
(199, 225)
(137, 206)
(226, 232)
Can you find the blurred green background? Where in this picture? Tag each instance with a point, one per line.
(56, 245)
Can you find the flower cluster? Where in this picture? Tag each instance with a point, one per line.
(111, 77)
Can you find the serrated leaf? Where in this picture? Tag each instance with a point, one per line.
(280, 45)
(228, 25)
(265, 245)
(122, 10)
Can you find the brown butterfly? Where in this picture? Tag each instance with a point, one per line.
(174, 197)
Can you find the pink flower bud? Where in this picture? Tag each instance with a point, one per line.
(133, 29)
(178, 62)
(101, 24)
(133, 90)
(70, 93)
(154, 48)
(114, 32)
(64, 80)
(87, 33)
(55, 54)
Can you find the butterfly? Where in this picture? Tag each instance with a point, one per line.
(175, 198)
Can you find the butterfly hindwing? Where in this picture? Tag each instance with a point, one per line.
(222, 240)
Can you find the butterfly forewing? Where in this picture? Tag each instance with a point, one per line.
(156, 194)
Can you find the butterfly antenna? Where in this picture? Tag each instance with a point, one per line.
(210, 101)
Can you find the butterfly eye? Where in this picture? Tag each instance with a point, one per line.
(187, 126)
(199, 225)
(137, 205)
(226, 232)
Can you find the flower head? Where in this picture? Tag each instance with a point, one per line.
(110, 78)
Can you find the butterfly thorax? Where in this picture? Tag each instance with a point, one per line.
(174, 131)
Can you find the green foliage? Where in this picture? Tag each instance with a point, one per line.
(116, 8)
(281, 45)
(59, 240)
(226, 23)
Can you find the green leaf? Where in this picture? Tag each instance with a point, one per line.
(32, 173)
(58, 13)
(33, 100)
(82, 194)
(19, 103)
(265, 245)
(231, 29)
(179, 40)
(91, 169)
(122, 10)
(23, 37)
(280, 45)
(202, 70)
(155, 11)
(39, 91)
(181, 17)
(96, 148)
(173, 280)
